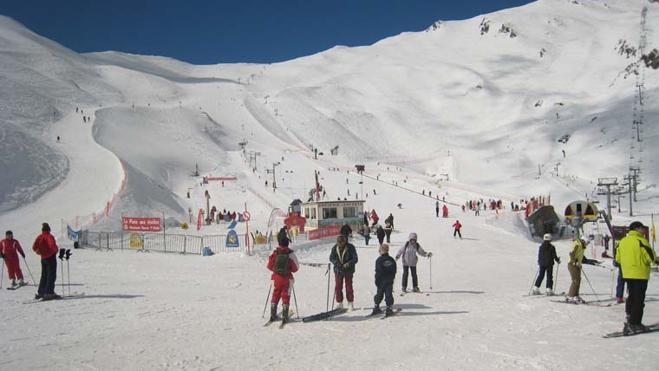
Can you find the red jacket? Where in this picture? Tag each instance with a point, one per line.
(45, 245)
(292, 262)
(10, 247)
(457, 225)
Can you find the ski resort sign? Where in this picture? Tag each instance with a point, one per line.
(141, 224)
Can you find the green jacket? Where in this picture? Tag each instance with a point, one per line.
(576, 256)
(635, 255)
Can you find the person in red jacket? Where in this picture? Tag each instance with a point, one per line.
(9, 250)
(456, 228)
(283, 263)
(46, 247)
(374, 217)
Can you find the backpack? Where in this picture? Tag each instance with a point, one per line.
(281, 264)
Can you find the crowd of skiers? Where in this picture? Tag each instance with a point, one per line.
(633, 256)
(46, 247)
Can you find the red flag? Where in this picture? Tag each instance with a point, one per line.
(199, 219)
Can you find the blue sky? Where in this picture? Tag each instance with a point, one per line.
(208, 32)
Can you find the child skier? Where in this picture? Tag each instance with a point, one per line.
(283, 263)
(409, 253)
(385, 272)
(456, 228)
(9, 250)
(546, 258)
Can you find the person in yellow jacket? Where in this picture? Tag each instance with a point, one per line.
(635, 256)
(574, 267)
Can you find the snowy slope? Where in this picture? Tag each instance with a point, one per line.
(482, 108)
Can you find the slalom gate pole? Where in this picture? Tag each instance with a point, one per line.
(28, 271)
(297, 311)
(265, 306)
(533, 282)
(589, 284)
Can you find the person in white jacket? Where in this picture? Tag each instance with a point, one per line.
(409, 253)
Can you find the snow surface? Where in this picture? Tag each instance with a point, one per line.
(415, 108)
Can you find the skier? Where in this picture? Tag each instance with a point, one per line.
(346, 230)
(366, 231)
(45, 246)
(437, 209)
(365, 217)
(344, 258)
(409, 253)
(385, 273)
(283, 263)
(574, 267)
(388, 227)
(546, 258)
(374, 217)
(635, 256)
(9, 250)
(444, 211)
(456, 229)
(380, 233)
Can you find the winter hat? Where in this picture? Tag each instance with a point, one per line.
(283, 242)
(412, 236)
(547, 237)
(384, 248)
(45, 227)
(636, 225)
(9, 233)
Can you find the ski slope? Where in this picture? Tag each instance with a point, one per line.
(455, 110)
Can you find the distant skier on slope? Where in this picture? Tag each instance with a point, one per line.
(380, 233)
(437, 209)
(344, 258)
(546, 258)
(389, 226)
(409, 253)
(9, 250)
(283, 263)
(385, 273)
(456, 229)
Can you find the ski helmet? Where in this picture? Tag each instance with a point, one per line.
(547, 237)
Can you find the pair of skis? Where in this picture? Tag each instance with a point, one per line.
(651, 328)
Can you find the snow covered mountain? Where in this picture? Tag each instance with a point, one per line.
(529, 101)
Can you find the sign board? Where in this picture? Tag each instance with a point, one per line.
(586, 211)
(73, 235)
(232, 239)
(246, 216)
(324, 232)
(136, 241)
(141, 224)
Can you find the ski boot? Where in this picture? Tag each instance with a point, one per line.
(549, 292)
(284, 313)
(626, 330)
(21, 282)
(579, 300)
(351, 306)
(416, 289)
(273, 312)
(536, 291)
(339, 305)
(13, 283)
(637, 329)
(403, 290)
(376, 311)
(388, 312)
(620, 300)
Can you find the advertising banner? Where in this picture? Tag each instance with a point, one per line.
(141, 224)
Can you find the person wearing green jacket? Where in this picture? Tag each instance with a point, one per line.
(634, 255)
(574, 267)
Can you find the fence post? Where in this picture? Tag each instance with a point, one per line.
(185, 242)
(107, 240)
(122, 240)
(201, 248)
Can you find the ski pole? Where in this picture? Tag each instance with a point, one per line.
(2, 274)
(558, 270)
(533, 282)
(430, 260)
(613, 277)
(297, 311)
(328, 287)
(61, 259)
(28, 271)
(266, 300)
(589, 284)
(68, 269)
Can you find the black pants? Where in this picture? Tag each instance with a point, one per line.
(457, 231)
(387, 232)
(620, 287)
(415, 280)
(48, 276)
(437, 212)
(380, 239)
(541, 276)
(636, 300)
(385, 290)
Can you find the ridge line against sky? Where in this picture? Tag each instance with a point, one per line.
(249, 31)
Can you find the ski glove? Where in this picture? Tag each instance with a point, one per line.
(2, 255)
(558, 260)
(22, 254)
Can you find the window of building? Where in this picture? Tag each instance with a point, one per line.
(349, 212)
(329, 213)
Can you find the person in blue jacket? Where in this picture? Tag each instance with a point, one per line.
(385, 272)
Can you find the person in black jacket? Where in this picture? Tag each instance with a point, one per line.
(379, 232)
(385, 273)
(344, 258)
(346, 230)
(546, 258)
